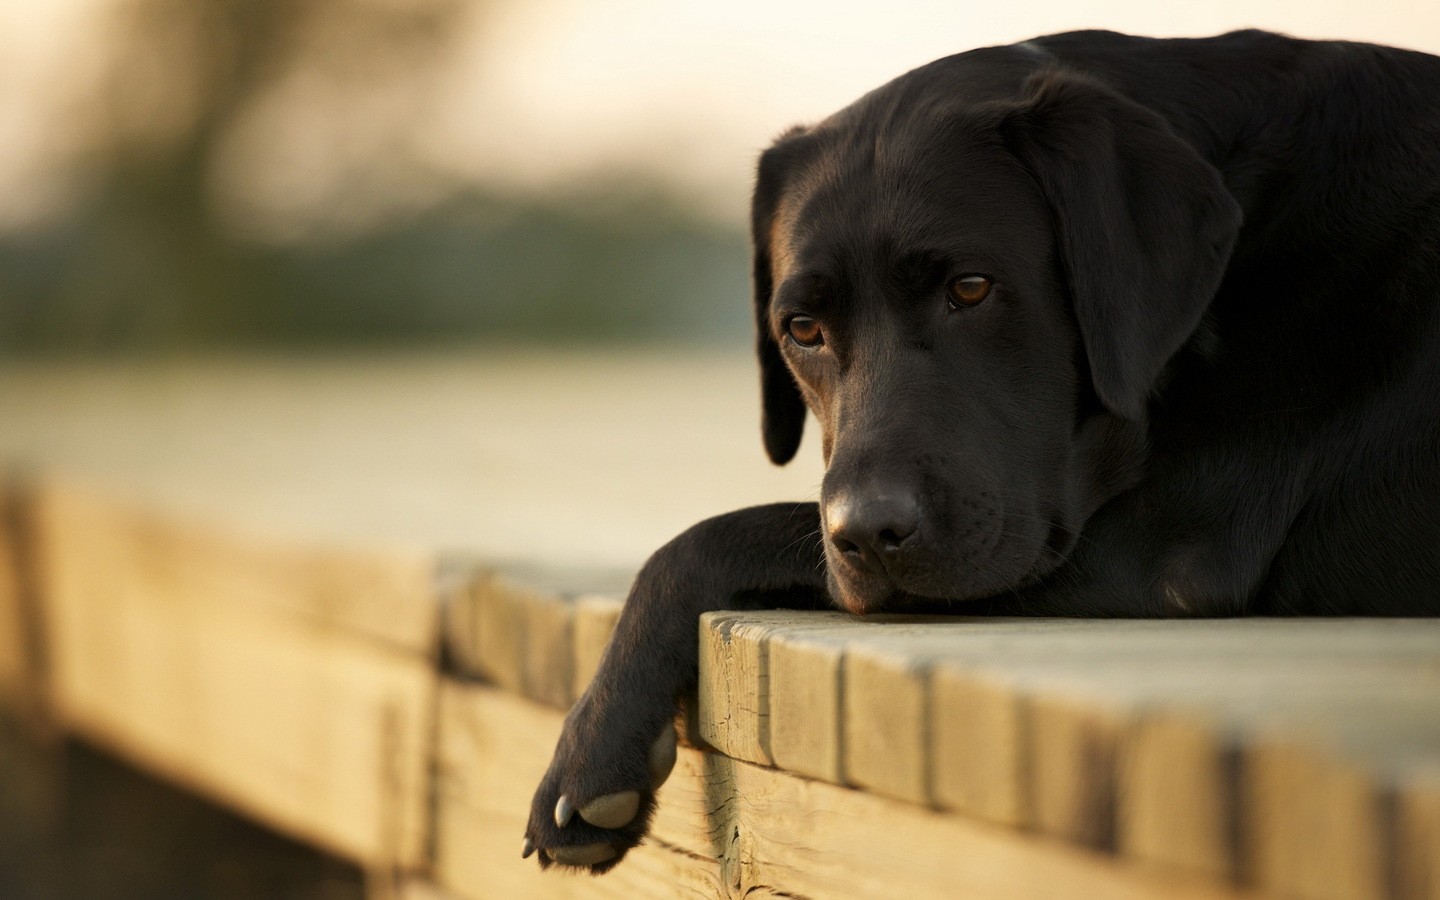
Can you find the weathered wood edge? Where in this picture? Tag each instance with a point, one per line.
(1406, 869)
(383, 592)
(1100, 763)
(727, 828)
(23, 666)
(273, 695)
(535, 632)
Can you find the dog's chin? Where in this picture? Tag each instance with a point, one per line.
(861, 595)
(865, 593)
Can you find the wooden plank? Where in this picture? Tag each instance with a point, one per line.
(520, 628)
(1132, 744)
(383, 592)
(894, 733)
(1093, 731)
(494, 748)
(1082, 709)
(19, 667)
(1177, 793)
(1073, 756)
(892, 738)
(1237, 753)
(734, 689)
(414, 889)
(517, 636)
(280, 705)
(806, 665)
(875, 674)
(1072, 703)
(547, 672)
(833, 669)
(811, 839)
(885, 717)
(1116, 748)
(981, 763)
(1417, 857)
(595, 618)
(411, 889)
(732, 829)
(484, 629)
(1335, 808)
(1331, 802)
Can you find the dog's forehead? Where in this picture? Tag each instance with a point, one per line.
(926, 140)
(949, 183)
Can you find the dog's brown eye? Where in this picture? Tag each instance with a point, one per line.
(805, 331)
(968, 290)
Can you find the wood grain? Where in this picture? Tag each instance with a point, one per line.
(981, 758)
(258, 693)
(733, 688)
(484, 629)
(733, 829)
(527, 630)
(1333, 808)
(806, 665)
(1178, 787)
(19, 669)
(1417, 856)
(1338, 805)
(896, 731)
(547, 672)
(493, 749)
(595, 618)
(885, 720)
(382, 592)
(734, 680)
(1131, 736)
(411, 889)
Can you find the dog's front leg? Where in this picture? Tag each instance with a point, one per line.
(618, 743)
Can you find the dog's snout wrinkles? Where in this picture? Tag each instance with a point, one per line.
(872, 530)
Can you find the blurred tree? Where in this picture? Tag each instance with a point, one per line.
(149, 261)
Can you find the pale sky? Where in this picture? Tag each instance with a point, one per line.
(548, 92)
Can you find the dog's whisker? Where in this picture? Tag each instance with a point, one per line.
(815, 533)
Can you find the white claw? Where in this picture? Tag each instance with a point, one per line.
(662, 757)
(612, 810)
(583, 855)
(564, 809)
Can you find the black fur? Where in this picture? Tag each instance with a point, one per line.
(1206, 380)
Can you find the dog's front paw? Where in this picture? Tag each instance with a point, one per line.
(597, 797)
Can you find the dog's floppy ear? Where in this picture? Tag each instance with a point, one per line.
(782, 418)
(1145, 225)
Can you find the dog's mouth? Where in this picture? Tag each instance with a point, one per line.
(936, 580)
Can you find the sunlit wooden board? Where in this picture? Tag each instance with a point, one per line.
(727, 828)
(1296, 755)
(263, 681)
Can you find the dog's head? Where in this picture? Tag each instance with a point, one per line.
(975, 279)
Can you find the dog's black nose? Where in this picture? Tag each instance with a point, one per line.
(871, 530)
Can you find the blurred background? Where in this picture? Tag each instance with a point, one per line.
(178, 175)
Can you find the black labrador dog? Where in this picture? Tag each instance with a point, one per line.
(1093, 325)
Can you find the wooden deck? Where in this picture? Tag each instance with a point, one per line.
(241, 575)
